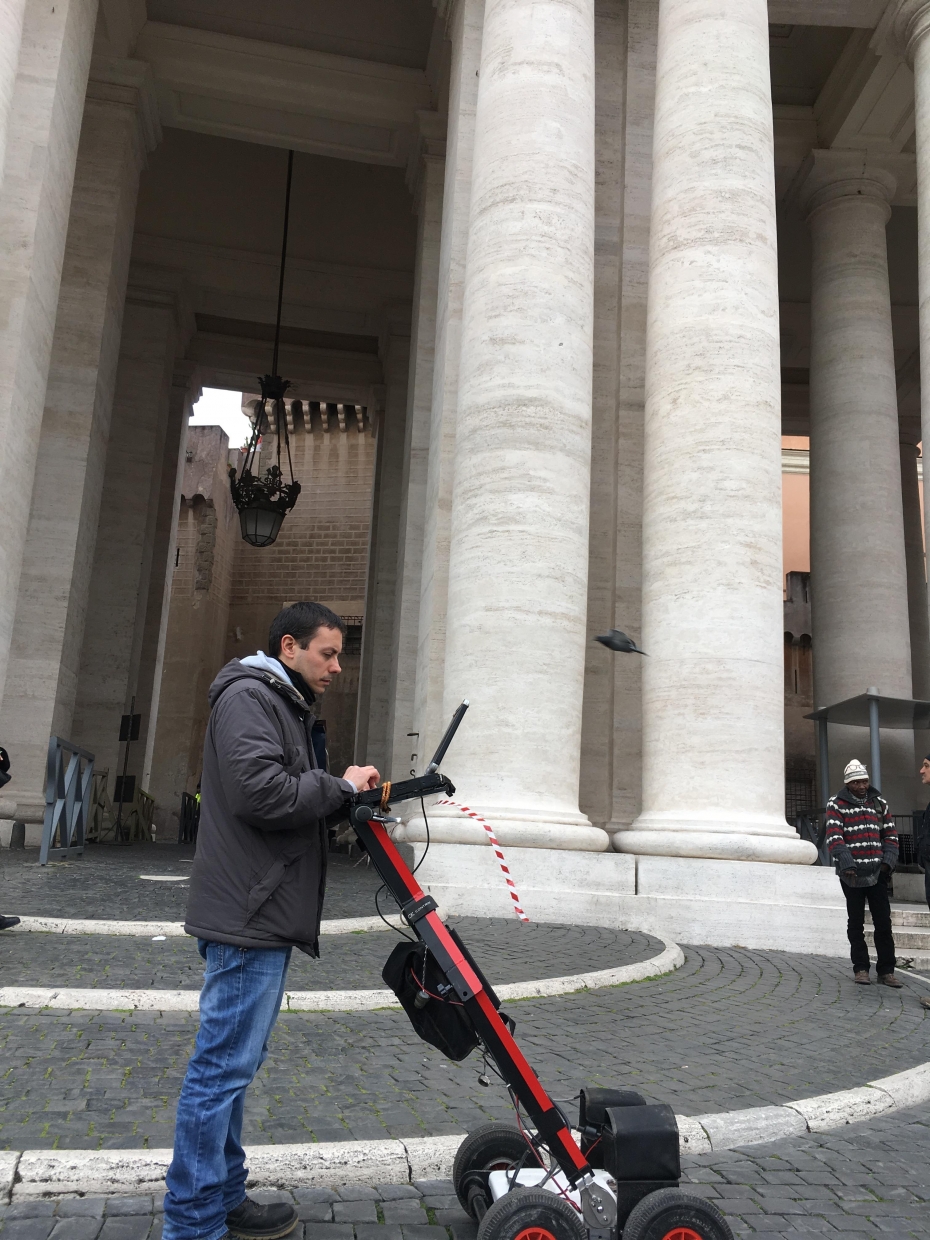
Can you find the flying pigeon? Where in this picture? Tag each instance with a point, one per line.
(615, 640)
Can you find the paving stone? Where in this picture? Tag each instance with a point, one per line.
(77, 1228)
(81, 1207)
(403, 1212)
(355, 1212)
(29, 1209)
(128, 1205)
(27, 1228)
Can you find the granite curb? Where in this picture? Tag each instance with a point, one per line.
(72, 998)
(54, 1173)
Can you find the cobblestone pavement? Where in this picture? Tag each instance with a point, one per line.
(871, 1181)
(731, 1029)
(105, 883)
(507, 950)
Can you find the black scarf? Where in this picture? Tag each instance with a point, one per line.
(299, 684)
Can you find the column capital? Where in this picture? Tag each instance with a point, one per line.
(827, 177)
(909, 24)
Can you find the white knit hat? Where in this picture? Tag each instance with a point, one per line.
(854, 770)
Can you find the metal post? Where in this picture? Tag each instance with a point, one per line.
(824, 745)
(875, 753)
(118, 834)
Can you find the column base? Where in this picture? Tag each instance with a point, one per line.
(724, 903)
(513, 828)
(753, 837)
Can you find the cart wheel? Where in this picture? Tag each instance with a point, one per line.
(671, 1214)
(532, 1214)
(492, 1147)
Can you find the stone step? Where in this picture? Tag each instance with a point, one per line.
(911, 917)
(907, 940)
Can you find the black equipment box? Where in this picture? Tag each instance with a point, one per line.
(641, 1143)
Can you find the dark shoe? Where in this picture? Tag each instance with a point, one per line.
(254, 1221)
(889, 979)
(7, 923)
(862, 978)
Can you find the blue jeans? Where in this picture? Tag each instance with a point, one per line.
(239, 1003)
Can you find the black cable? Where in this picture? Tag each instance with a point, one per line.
(389, 924)
(426, 849)
(287, 216)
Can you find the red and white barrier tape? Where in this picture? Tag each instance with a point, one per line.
(498, 852)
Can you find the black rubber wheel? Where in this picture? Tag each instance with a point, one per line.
(492, 1147)
(673, 1215)
(532, 1214)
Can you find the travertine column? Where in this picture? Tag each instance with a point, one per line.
(428, 190)
(185, 392)
(516, 631)
(912, 26)
(713, 739)
(466, 21)
(41, 148)
(919, 621)
(857, 523)
(120, 121)
(118, 594)
(611, 751)
(372, 741)
(12, 13)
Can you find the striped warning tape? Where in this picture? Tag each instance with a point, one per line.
(498, 852)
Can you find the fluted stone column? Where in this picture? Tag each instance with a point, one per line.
(120, 122)
(515, 632)
(41, 149)
(713, 733)
(857, 522)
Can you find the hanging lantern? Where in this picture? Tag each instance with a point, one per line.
(264, 500)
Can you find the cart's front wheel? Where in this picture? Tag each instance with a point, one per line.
(673, 1215)
(492, 1147)
(532, 1214)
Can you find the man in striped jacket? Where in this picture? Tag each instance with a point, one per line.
(863, 846)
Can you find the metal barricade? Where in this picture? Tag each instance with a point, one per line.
(190, 819)
(68, 783)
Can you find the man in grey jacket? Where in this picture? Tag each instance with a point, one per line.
(256, 893)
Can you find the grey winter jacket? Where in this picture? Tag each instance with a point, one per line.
(260, 866)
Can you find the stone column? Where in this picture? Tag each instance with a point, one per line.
(912, 26)
(516, 621)
(41, 149)
(857, 522)
(712, 571)
(118, 594)
(372, 741)
(466, 20)
(919, 621)
(611, 750)
(428, 195)
(120, 122)
(185, 392)
(12, 13)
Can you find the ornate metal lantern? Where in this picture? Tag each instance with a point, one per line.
(264, 500)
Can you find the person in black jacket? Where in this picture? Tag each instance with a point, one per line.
(6, 923)
(256, 893)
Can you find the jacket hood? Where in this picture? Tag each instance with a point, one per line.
(260, 667)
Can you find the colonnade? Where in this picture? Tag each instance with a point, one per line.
(488, 474)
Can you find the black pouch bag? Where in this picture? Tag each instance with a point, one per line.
(440, 1020)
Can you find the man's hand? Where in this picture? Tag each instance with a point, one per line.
(363, 777)
(850, 874)
(886, 868)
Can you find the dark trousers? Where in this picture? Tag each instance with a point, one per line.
(880, 907)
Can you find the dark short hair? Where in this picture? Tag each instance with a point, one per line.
(302, 621)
